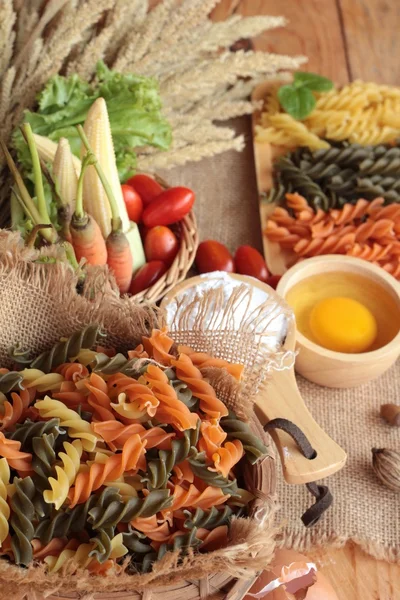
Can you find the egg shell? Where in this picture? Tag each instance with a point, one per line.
(320, 590)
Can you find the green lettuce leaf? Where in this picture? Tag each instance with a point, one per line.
(133, 104)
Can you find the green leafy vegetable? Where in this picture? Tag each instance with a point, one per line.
(133, 104)
(297, 98)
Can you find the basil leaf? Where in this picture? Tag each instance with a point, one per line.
(298, 102)
(314, 82)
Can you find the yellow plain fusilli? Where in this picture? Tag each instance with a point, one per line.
(77, 427)
(66, 474)
(360, 112)
(4, 507)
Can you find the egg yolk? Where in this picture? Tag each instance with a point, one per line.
(343, 325)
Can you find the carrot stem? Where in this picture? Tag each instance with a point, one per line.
(31, 239)
(24, 198)
(115, 221)
(37, 172)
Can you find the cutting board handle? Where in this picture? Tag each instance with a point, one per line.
(281, 399)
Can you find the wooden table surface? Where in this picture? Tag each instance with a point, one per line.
(344, 40)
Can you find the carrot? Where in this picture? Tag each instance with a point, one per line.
(120, 259)
(119, 255)
(87, 239)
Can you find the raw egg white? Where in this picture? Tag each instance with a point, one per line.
(307, 584)
(343, 325)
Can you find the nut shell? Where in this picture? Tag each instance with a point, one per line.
(391, 414)
(386, 464)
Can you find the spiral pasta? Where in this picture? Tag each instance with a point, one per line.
(158, 346)
(209, 403)
(212, 437)
(240, 430)
(135, 400)
(10, 380)
(62, 351)
(365, 229)
(86, 482)
(72, 371)
(115, 434)
(111, 509)
(159, 469)
(17, 409)
(25, 432)
(40, 381)
(20, 461)
(202, 360)
(129, 456)
(170, 410)
(360, 112)
(65, 475)
(82, 555)
(4, 507)
(70, 419)
(23, 513)
(226, 457)
(207, 519)
(201, 468)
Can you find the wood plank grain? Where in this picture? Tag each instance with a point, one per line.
(371, 29)
(314, 30)
(356, 576)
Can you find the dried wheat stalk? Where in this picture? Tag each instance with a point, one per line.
(200, 80)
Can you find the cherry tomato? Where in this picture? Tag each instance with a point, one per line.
(146, 187)
(249, 261)
(169, 207)
(161, 244)
(214, 256)
(273, 281)
(133, 202)
(146, 276)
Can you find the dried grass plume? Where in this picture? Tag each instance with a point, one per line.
(200, 79)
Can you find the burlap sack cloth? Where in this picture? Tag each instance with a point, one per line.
(38, 305)
(364, 510)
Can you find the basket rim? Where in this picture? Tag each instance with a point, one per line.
(189, 241)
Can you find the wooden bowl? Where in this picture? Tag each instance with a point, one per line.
(337, 369)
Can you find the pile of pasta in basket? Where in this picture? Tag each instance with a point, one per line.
(110, 458)
(337, 179)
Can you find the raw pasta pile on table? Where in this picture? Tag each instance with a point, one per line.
(106, 455)
(360, 112)
(337, 188)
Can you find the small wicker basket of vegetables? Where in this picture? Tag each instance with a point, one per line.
(98, 221)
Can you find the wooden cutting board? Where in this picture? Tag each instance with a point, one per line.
(278, 260)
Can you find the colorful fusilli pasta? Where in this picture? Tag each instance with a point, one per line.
(366, 230)
(126, 454)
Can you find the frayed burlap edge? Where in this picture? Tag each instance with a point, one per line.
(258, 343)
(310, 541)
(39, 302)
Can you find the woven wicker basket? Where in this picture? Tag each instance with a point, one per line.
(186, 232)
(260, 480)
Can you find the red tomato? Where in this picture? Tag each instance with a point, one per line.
(146, 187)
(161, 244)
(169, 207)
(249, 261)
(214, 256)
(146, 276)
(133, 202)
(273, 280)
